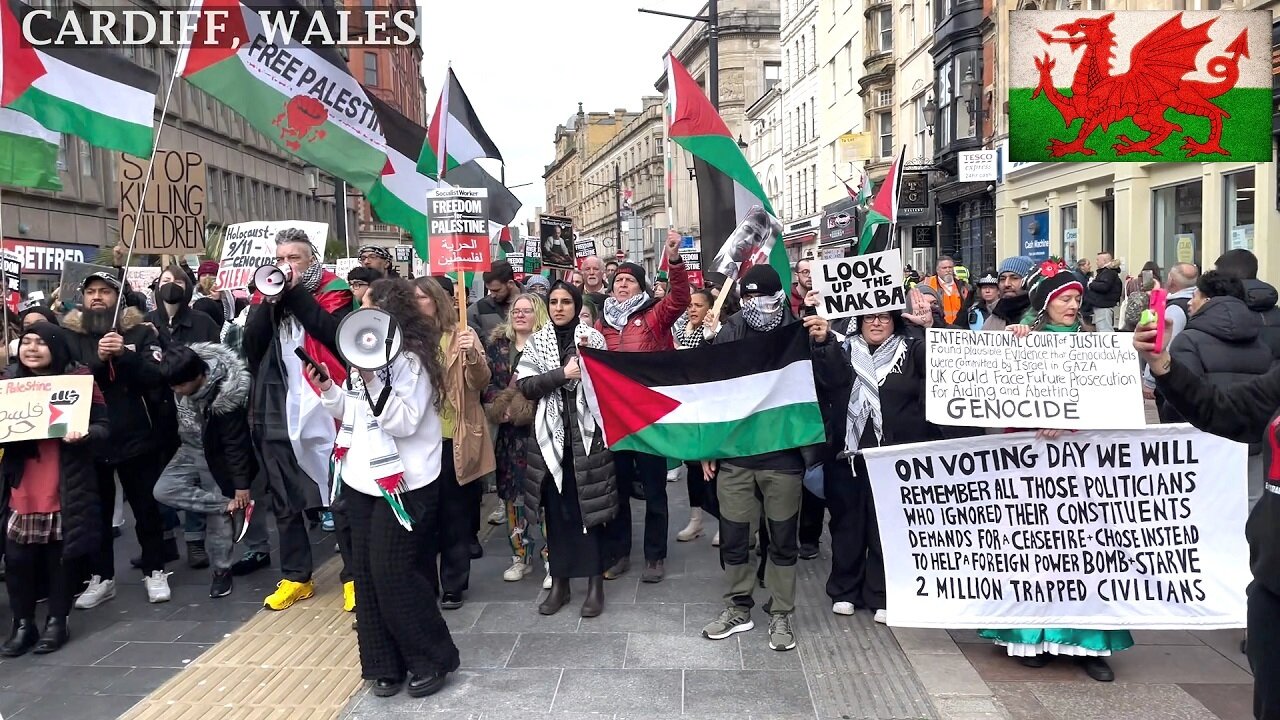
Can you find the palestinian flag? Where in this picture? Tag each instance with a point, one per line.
(399, 197)
(1140, 86)
(455, 135)
(727, 186)
(503, 205)
(721, 401)
(884, 209)
(94, 94)
(28, 152)
(300, 96)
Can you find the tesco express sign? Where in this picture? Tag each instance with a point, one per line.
(41, 258)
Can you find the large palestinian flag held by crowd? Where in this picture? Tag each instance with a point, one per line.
(300, 96)
(732, 400)
(96, 95)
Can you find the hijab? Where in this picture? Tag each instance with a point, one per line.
(565, 335)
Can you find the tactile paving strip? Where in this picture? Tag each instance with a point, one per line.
(297, 664)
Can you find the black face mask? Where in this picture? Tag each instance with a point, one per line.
(171, 293)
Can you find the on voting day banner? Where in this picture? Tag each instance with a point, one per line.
(1108, 530)
(1064, 381)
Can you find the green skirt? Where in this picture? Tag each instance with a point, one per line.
(1025, 642)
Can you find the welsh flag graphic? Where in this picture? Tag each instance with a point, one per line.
(743, 398)
(98, 96)
(301, 97)
(727, 186)
(1140, 86)
(884, 209)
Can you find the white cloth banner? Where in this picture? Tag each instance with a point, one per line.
(1066, 381)
(1107, 530)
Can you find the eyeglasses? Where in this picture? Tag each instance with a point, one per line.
(881, 319)
(804, 272)
(516, 311)
(358, 284)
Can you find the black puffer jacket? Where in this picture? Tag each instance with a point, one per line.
(228, 447)
(592, 468)
(187, 326)
(139, 403)
(1261, 299)
(77, 483)
(1222, 344)
(1106, 289)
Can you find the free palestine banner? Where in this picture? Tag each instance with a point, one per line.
(1140, 86)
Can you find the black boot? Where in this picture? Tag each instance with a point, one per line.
(556, 597)
(23, 637)
(594, 604)
(424, 685)
(55, 636)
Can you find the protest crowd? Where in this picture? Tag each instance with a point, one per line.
(203, 410)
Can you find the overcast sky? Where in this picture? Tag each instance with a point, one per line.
(526, 66)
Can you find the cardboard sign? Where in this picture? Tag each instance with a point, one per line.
(404, 253)
(170, 219)
(250, 245)
(342, 266)
(43, 407)
(532, 255)
(140, 279)
(556, 236)
(458, 230)
(583, 248)
(74, 273)
(1111, 530)
(1065, 381)
(860, 285)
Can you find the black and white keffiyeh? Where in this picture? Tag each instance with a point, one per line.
(760, 320)
(618, 312)
(542, 355)
(311, 277)
(869, 372)
(687, 337)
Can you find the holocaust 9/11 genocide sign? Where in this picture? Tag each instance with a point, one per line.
(1110, 530)
(1066, 381)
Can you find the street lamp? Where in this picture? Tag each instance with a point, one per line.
(311, 174)
(972, 89)
(930, 111)
(741, 145)
(712, 19)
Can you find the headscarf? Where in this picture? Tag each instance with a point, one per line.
(378, 250)
(566, 335)
(870, 369)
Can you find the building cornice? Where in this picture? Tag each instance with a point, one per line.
(732, 23)
(798, 21)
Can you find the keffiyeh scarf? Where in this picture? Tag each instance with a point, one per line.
(617, 312)
(762, 321)
(870, 370)
(542, 355)
(385, 462)
(311, 277)
(686, 337)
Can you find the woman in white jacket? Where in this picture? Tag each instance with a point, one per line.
(388, 456)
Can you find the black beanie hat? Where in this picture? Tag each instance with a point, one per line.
(635, 271)
(760, 280)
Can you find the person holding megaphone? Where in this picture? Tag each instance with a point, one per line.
(389, 456)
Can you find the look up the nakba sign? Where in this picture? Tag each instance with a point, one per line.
(458, 230)
(1066, 381)
(170, 219)
(860, 285)
(1105, 530)
(42, 407)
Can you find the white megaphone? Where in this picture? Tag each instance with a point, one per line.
(369, 339)
(271, 280)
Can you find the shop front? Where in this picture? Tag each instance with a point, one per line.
(838, 230)
(42, 262)
(801, 238)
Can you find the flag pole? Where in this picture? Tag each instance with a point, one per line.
(4, 280)
(146, 184)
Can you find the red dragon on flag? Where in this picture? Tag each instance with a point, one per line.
(1162, 75)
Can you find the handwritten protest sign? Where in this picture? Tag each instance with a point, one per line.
(170, 219)
(458, 230)
(249, 245)
(140, 279)
(342, 266)
(860, 285)
(74, 273)
(1067, 381)
(42, 407)
(1101, 529)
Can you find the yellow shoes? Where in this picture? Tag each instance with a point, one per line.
(289, 592)
(349, 596)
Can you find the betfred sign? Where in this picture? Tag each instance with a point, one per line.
(41, 258)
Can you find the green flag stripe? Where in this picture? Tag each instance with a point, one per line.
(97, 129)
(779, 428)
(723, 154)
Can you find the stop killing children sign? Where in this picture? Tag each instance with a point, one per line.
(458, 230)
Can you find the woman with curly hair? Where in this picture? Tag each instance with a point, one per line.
(512, 413)
(389, 460)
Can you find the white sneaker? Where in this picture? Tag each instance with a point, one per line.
(843, 608)
(97, 592)
(498, 516)
(519, 568)
(882, 617)
(157, 586)
(675, 474)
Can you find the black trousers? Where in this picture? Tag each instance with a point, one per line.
(857, 562)
(1264, 651)
(399, 624)
(342, 532)
(458, 503)
(813, 511)
(138, 478)
(651, 472)
(29, 567)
